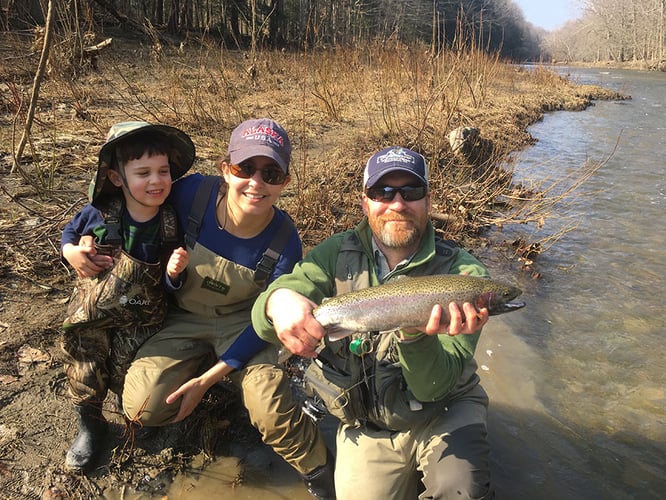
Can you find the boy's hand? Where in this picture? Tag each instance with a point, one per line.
(177, 263)
(84, 259)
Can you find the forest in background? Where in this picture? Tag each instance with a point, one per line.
(629, 32)
(616, 31)
(497, 25)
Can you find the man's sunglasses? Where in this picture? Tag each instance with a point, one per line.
(270, 175)
(387, 193)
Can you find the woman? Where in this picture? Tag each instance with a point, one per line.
(237, 242)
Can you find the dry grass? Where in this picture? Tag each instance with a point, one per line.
(339, 106)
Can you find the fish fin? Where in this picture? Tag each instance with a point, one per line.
(336, 332)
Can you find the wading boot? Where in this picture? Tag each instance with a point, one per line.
(92, 431)
(320, 482)
(140, 432)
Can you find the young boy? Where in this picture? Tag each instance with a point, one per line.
(120, 298)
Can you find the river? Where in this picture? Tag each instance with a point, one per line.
(577, 379)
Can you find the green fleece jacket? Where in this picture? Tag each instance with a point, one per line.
(432, 366)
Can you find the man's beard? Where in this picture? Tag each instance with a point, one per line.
(401, 238)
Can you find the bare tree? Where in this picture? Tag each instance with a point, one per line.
(615, 30)
(48, 36)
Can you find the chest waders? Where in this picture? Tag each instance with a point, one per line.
(220, 286)
(217, 287)
(359, 379)
(109, 316)
(131, 293)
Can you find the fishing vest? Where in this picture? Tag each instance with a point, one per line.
(366, 387)
(131, 293)
(216, 286)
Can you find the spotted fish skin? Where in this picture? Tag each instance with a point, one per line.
(407, 302)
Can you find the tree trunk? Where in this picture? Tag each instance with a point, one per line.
(35, 89)
(172, 25)
(159, 12)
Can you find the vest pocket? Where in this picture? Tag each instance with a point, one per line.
(340, 393)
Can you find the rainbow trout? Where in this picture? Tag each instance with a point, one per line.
(407, 302)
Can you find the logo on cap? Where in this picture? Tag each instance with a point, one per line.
(392, 159)
(263, 132)
(396, 155)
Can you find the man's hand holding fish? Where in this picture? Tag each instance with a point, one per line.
(469, 321)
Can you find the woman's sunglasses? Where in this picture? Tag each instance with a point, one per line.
(387, 193)
(270, 175)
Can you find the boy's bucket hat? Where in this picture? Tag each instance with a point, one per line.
(181, 153)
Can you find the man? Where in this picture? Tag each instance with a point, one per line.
(412, 412)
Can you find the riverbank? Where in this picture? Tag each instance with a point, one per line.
(659, 66)
(339, 107)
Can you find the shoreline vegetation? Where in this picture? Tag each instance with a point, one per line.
(465, 110)
(340, 105)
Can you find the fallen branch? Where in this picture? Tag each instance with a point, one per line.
(94, 50)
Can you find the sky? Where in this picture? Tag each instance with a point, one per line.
(549, 14)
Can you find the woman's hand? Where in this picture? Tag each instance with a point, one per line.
(192, 391)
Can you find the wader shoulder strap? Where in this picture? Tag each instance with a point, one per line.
(351, 268)
(169, 225)
(198, 208)
(169, 232)
(272, 254)
(112, 213)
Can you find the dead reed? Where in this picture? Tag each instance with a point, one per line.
(339, 105)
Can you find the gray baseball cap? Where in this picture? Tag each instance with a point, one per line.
(260, 137)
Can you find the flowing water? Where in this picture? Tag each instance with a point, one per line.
(577, 379)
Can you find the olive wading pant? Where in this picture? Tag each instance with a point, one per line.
(449, 454)
(188, 345)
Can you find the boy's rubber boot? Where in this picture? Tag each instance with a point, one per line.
(92, 431)
(320, 482)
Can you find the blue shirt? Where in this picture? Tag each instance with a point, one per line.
(141, 240)
(244, 251)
